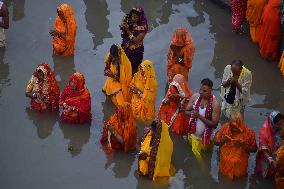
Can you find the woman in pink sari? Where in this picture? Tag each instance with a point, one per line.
(271, 135)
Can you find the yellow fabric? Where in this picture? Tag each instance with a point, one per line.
(145, 148)
(198, 147)
(30, 86)
(164, 155)
(281, 64)
(112, 86)
(144, 107)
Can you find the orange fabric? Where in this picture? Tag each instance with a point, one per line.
(279, 174)
(270, 31)
(123, 123)
(281, 64)
(177, 96)
(253, 15)
(182, 45)
(233, 158)
(118, 90)
(65, 47)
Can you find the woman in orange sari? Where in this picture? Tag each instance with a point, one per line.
(144, 92)
(176, 99)
(236, 141)
(254, 13)
(64, 31)
(76, 100)
(120, 131)
(180, 55)
(279, 170)
(270, 31)
(43, 89)
(119, 74)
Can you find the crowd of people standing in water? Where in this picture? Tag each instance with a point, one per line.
(266, 21)
(131, 85)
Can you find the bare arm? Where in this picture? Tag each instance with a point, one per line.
(5, 15)
(191, 101)
(215, 116)
(139, 38)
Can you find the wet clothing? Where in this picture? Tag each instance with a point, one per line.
(279, 173)
(281, 64)
(143, 106)
(233, 157)
(180, 54)
(134, 51)
(65, 46)
(80, 100)
(159, 148)
(123, 123)
(118, 90)
(47, 91)
(2, 31)
(232, 99)
(177, 97)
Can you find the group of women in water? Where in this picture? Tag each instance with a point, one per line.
(131, 85)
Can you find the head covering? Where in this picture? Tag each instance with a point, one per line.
(181, 37)
(238, 119)
(182, 86)
(272, 116)
(79, 79)
(142, 18)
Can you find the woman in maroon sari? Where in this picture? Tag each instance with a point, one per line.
(76, 100)
(270, 137)
(133, 30)
(176, 99)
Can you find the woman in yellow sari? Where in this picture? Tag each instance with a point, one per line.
(64, 31)
(144, 92)
(279, 170)
(154, 159)
(119, 74)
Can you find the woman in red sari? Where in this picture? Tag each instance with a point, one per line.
(76, 100)
(120, 131)
(43, 89)
(180, 55)
(270, 138)
(270, 31)
(176, 99)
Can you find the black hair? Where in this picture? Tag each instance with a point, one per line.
(237, 63)
(278, 117)
(207, 82)
(154, 124)
(134, 11)
(114, 50)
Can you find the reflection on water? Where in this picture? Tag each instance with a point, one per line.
(43, 122)
(157, 12)
(97, 22)
(18, 9)
(108, 108)
(4, 71)
(64, 67)
(78, 136)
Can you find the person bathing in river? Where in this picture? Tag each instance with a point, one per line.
(235, 88)
(4, 23)
(134, 27)
(43, 89)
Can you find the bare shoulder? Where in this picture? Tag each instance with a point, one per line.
(216, 103)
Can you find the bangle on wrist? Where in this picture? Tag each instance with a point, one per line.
(131, 36)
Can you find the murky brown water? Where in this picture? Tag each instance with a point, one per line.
(35, 148)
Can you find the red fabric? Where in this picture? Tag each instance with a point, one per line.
(208, 115)
(266, 139)
(238, 13)
(51, 87)
(175, 98)
(81, 99)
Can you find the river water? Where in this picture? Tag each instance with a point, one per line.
(38, 151)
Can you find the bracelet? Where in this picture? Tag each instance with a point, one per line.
(270, 159)
(131, 36)
(34, 95)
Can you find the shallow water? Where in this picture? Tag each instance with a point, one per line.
(38, 151)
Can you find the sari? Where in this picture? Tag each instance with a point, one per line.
(134, 51)
(180, 54)
(270, 31)
(143, 106)
(239, 101)
(47, 91)
(233, 157)
(79, 99)
(238, 13)
(159, 148)
(279, 172)
(176, 98)
(118, 90)
(65, 46)
(253, 15)
(123, 124)
(281, 62)
(269, 142)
